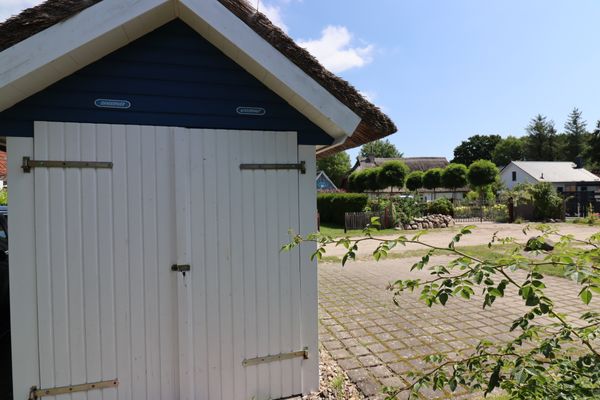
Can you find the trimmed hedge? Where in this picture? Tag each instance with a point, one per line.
(440, 206)
(332, 207)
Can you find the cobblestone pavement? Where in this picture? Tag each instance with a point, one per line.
(376, 342)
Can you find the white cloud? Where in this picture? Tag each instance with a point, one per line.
(333, 49)
(8, 8)
(273, 12)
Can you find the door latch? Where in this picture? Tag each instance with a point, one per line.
(181, 268)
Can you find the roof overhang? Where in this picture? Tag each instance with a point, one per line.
(48, 56)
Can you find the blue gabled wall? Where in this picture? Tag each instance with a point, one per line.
(170, 77)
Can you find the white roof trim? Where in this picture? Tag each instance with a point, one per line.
(323, 174)
(48, 56)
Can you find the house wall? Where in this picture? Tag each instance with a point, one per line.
(170, 77)
(521, 176)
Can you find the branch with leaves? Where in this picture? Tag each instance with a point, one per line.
(551, 355)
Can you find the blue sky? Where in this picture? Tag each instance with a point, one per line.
(445, 70)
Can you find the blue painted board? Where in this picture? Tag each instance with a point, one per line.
(170, 77)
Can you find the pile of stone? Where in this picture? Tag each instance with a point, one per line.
(433, 221)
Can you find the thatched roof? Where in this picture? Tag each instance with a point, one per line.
(374, 123)
(413, 163)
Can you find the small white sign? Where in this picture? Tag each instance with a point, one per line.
(112, 103)
(257, 111)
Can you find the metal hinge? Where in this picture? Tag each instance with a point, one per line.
(28, 164)
(278, 357)
(36, 393)
(181, 268)
(301, 166)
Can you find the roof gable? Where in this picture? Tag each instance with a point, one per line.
(169, 77)
(555, 171)
(253, 42)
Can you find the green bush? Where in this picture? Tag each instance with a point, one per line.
(440, 206)
(333, 206)
(403, 209)
(4, 197)
(547, 204)
(414, 181)
(356, 181)
(371, 179)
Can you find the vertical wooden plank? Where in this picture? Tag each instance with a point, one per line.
(182, 215)
(308, 269)
(74, 261)
(136, 267)
(58, 259)
(43, 262)
(294, 265)
(105, 254)
(21, 225)
(167, 281)
(198, 237)
(224, 248)
(91, 275)
(212, 265)
(237, 263)
(249, 263)
(284, 290)
(262, 273)
(121, 261)
(273, 274)
(150, 245)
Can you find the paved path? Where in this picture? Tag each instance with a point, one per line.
(481, 235)
(376, 342)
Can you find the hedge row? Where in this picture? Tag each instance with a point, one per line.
(333, 206)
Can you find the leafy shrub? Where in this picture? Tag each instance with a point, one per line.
(356, 182)
(440, 206)
(482, 173)
(392, 174)
(4, 197)
(403, 209)
(332, 207)
(547, 204)
(454, 176)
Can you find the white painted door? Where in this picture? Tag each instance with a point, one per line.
(104, 242)
(109, 306)
(241, 299)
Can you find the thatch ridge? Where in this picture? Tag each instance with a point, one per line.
(374, 124)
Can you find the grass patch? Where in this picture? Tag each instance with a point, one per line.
(482, 252)
(337, 231)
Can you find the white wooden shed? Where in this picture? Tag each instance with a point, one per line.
(158, 153)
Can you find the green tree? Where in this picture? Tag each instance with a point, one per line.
(357, 181)
(380, 149)
(454, 176)
(414, 181)
(576, 131)
(432, 179)
(392, 174)
(477, 147)
(507, 150)
(371, 179)
(541, 140)
(335, 166)
(593, 150)
(482, 175)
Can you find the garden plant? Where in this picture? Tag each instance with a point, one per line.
(551, 355)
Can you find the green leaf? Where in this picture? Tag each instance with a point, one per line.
(586, 296)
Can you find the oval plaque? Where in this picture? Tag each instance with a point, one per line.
(112, 103)
(251, 111)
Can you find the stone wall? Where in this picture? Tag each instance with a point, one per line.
(429, 222)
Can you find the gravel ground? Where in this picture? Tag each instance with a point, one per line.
(335, 384)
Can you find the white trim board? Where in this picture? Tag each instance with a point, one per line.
(48, 56)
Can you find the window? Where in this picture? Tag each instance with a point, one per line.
(514, 176)
(583, 188)
(559, 189)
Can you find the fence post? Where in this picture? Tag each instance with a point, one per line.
(511, 210)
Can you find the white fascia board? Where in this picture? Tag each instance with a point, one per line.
(242, 44)
(58, 51)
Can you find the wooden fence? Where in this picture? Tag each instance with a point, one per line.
(360, 220)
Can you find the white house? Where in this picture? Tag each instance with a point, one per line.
(159, 151)
(564, 175)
